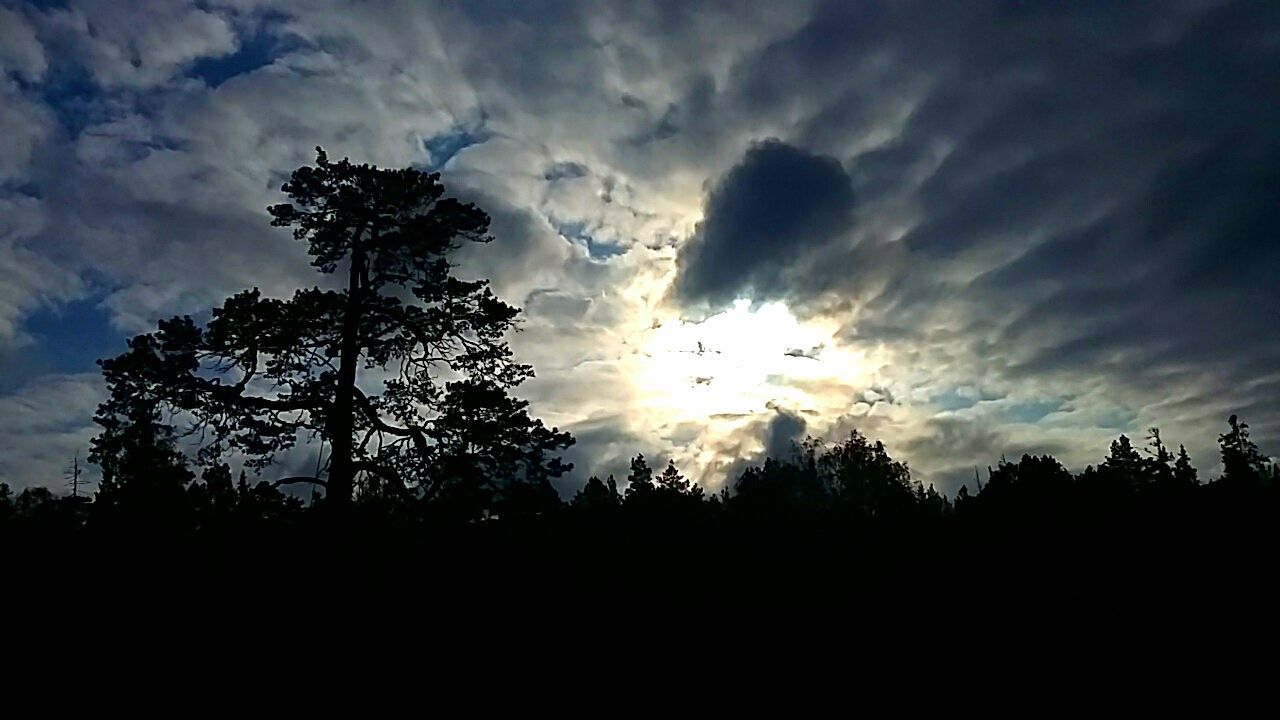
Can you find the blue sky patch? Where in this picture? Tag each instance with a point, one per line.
(1030, 411)
(576, 232)
(74, 98)
(69, 338)
(953, 399)
(1118, 419)
(257, 50)
(565, 171)
(25, 189)
(442, 148)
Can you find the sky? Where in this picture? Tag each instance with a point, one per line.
(967, 229)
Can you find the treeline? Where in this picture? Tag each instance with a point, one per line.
(821, 583)
(854, 483)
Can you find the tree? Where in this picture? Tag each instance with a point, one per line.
(669, 501)
(142, 469)
(930, 501)
(1035, 481)
(672, 482)
(266, 372)
(597, 496)
(7, 509)
(1160, 460)
(75, 480)
(779, 488)
(1124, 466)
(1242, 463)
(640, 479)
(865, 481)
(1184, 473)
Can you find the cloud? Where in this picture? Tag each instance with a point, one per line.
(784, 429)
(31, 280)
(44, 426)
(1024, 225)
(136, 44)
(20, 49)
(24, 126)
(1087, 210)
(768, 210)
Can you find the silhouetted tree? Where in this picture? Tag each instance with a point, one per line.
(143, 472)
(673, 483)
(930, 501)
(1184, 473)
(1159, 460)
(266, 371)
(779, 488)
(597, 496)
(1036, 482)
(34, 501)
(1124, 467)
(640, 479)
(75, 477)
(214, 497)
(865, 481)
(1242, 463)
(239, 504)
(525, 499)
(6, 504)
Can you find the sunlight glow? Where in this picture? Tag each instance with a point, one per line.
(739, 362)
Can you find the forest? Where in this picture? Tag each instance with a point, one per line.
(429, 561)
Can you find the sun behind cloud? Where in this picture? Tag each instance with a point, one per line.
(743, 361)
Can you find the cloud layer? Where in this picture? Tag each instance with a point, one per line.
(1014, 226)
(768, 211)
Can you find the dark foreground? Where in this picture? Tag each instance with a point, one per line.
(1049, 604)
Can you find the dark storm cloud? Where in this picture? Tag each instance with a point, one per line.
(765, 212)
(782, 431)
(1182, 269)
(1078, 188)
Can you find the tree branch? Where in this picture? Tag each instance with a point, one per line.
(298, 480)
(419, 438)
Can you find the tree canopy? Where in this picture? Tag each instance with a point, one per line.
(402, 369)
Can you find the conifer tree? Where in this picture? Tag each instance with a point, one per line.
(403, 370)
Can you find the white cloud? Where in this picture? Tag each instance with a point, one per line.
(24, 125)
(20, 49)
(137, 43)
(43, 426)
(609, 123)
(30, 279)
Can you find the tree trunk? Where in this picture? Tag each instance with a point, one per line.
(341, 463)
